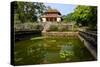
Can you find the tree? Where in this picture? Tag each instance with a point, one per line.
(28, 11)
(86, 15)
(68, 18)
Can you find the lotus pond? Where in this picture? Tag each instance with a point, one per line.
(44, 50)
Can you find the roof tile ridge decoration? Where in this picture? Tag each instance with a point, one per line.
(52, 10)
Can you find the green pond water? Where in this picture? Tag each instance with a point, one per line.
(43, 50)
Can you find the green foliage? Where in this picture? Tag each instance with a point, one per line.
(60, 27)
(28, 11)
(66, 52)
(68, 18)
(53, 28)
(28, 26)
(86, 15)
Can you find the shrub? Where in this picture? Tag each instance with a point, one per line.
(62, 28)
(28, 26)
(53, 28)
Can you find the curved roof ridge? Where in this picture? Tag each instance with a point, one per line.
(52, 10)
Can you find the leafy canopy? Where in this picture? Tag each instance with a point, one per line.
(28, 11)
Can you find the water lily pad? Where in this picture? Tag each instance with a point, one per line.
(66, 51)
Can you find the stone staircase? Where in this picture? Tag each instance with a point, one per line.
(90, 41)
(46, 26)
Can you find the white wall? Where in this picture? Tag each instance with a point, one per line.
(44, 19)
(58, 19)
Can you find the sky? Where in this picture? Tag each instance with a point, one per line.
(63, 8)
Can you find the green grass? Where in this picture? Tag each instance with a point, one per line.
(40, 50)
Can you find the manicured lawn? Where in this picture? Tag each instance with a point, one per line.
(41, 50)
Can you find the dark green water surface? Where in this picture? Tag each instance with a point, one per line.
(42, 50)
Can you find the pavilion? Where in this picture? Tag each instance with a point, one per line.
(51, 15)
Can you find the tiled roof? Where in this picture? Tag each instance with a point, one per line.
(52, 10)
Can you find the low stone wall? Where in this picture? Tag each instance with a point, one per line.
(64, 34)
